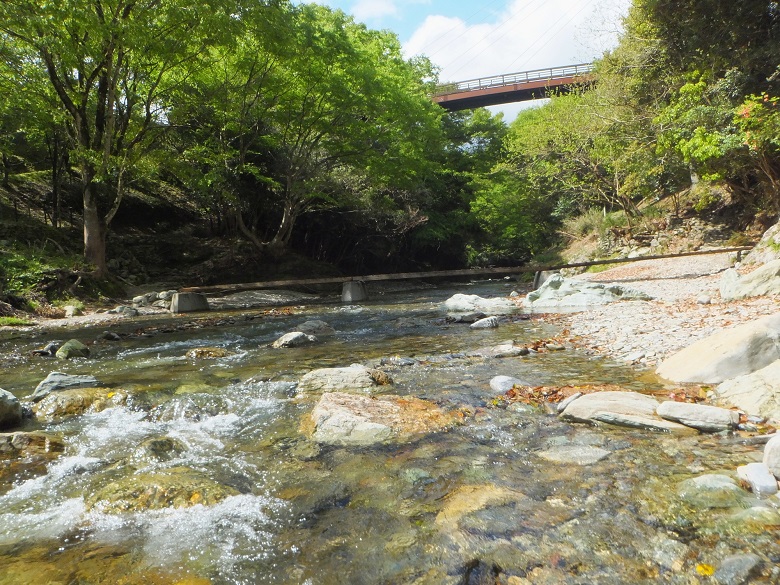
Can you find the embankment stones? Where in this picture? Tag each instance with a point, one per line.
(559, 292)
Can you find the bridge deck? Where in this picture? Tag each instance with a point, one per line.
(504, 271)
(511, 87)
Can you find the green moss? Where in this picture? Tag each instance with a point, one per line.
(14, 322)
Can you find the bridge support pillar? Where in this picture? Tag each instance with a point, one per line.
(353, 291)
(189, 303)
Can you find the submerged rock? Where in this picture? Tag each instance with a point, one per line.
(351, 379)
(711, 491)
(200, 353)
(59, 381)
(505, 383)
(471, 498)
(349, 419)
(710, 419)
(10, 410)
(30, 444)
(737, 569)
(72, 349)
(574, 454)
(757, 393)
(68, 403)
(178, 487)
(560, 292)
(727, 354)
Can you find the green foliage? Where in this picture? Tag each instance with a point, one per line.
(14, 322)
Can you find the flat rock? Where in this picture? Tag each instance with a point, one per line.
(72, 349)
(711, 491)
(503, 350)
(59, 381)
(76, 401)
(764, 280)
(294, 339)
(759, 478)
(756, 393)
(710, 419)
(350, 379)
(574, 454)
(10, 410)
(461, 303)
(772, 455)
(30, 443)
(628, 409)
(470, 498)
(727, 354)
(560, 292)
(350, 419)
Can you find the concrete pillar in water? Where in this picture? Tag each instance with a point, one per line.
(353, 291)
(189, 303)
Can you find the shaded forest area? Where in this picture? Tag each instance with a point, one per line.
(227, 140)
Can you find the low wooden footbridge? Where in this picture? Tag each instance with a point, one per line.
(223, 289)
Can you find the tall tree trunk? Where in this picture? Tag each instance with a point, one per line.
(94, 232)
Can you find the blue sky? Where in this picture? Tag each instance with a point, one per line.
(468, 39)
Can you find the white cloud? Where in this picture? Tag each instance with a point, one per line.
(526, 35)
(368, 9)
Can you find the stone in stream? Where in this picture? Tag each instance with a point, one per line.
(504, 350)
(30, 444)
(354, 420)
(737, 569)
(772, 455)
(72, 349)
(189, 303)
(316, 327)
(294, 339)
(702, 417)
(355, 378)
(727, 354)
(757, 393)
(461, 303)
(759, 478)
(67, 403)
(200, 353)
(10, 410)
(471, 317)
(628, 409)
(59, 381)
(486, 323)
(505, 383)
(711, 491)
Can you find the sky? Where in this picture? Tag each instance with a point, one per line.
(468, 39)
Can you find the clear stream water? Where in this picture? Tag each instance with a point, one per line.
(472, 505)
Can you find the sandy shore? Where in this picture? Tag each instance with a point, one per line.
(644, 332)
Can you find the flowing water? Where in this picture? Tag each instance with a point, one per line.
(265, 504)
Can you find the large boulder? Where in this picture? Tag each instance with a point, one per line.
(349, 419)
(461, 303)
(727, 354)
(764, 280)
(627, 409)
(354, 378)
(10, 410)
(560, 292)
(59, 381)
(756, 393)
(767, 250)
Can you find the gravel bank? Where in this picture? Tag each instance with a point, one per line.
(645, 332)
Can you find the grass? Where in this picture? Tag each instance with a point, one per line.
(14, 322)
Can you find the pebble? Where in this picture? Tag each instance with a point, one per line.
(736, 569)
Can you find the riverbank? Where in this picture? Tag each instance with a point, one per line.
(686, 307)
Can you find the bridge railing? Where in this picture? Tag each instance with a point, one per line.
(550, 74)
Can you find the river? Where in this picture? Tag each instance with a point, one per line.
(475, 504)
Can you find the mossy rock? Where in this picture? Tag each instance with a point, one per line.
(72, 349)
(178, 487)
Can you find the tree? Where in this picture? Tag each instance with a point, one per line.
(112, 65)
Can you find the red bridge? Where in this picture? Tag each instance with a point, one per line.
(513, 87)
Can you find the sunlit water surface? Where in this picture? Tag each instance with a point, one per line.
(298, 512)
